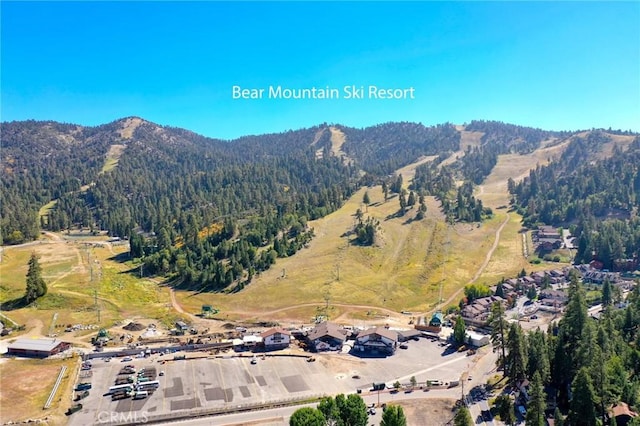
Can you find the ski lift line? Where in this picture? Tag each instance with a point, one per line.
(444, 265)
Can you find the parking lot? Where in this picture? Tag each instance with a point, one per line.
(230, 381)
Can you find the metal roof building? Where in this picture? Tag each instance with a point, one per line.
(37, 348)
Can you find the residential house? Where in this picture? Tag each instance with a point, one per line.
(377, 340)
(538, 277)
(327, 336)
(622, 414)
(546, 231)
(478, 312)
(554, 299)
(275, 338)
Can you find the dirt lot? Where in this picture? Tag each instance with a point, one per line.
(436, 412)
(34, 378)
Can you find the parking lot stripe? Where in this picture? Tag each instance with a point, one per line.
(193, 377)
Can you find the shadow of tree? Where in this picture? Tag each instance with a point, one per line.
(11, 305)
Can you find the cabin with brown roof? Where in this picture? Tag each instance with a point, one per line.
(622, 414)
(327, 336)
(378, 340)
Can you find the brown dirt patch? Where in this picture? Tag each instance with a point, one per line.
(35, 379)
(428, 412)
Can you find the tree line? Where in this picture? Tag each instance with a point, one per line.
(579, 368)
(599, 198)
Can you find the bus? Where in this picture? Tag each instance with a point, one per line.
(126, 388)
(153, 384)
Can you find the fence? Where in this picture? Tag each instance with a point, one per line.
(205, 412)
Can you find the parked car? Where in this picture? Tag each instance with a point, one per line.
(127, 359)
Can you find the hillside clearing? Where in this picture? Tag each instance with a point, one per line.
(112, 158)
(404, 271)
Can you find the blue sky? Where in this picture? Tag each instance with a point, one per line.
(561, 66)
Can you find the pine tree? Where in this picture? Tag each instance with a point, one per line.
(537, 403)
(506, 409)
(36, 286)
(463, 417)
(366, 199)
(606, 293)
(515, 366)
(459, 333)
(412, 199)
(498, 328)
(403, 201)
(558, 419)
(393, 416)
(582, 408)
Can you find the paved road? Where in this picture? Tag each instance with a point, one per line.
(280, 416)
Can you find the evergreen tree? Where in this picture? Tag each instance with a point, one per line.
(569, 340)
(459, 332)
(582, 409)
(463, 417)
(403, 201)
(393, 416)
(498, 330)
(506, 409)
(307, 416)
(411, 201)
(366, 199)
(36, 286)
(385, 190)
(558, 418)
(515, 366)
(537, 403)
(396, 186)
(422, 209)
(607, 296)
(537, 355)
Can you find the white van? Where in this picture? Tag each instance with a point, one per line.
(141, 395)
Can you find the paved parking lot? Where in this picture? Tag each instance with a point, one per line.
(229, 382)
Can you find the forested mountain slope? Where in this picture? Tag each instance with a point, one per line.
(600, 197)
(215, 212)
